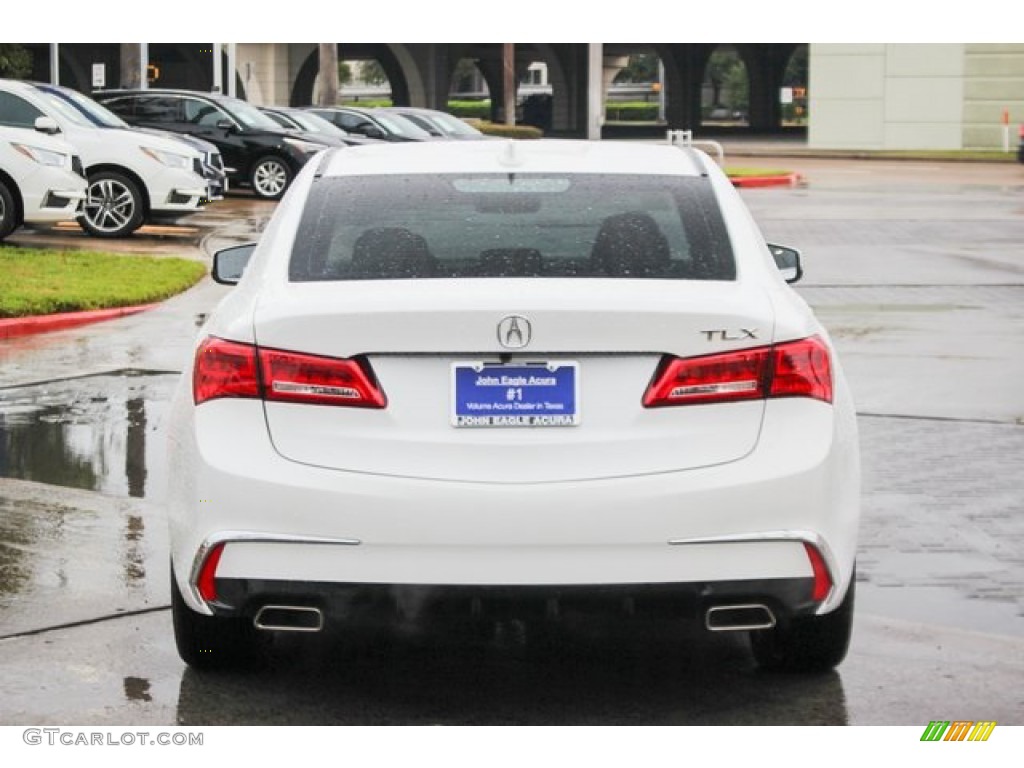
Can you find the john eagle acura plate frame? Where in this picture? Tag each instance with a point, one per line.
(489, 394)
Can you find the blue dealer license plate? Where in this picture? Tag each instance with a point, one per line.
(494, 395)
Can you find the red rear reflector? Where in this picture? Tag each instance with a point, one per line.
(206, 583)
(802, 369)
(297, 378)
(224, 369)
(793, 369)
(822, 579)
(231, 369)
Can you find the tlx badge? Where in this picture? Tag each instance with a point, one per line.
(730, 335)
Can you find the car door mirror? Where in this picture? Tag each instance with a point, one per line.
(229, 263)
(225, 125)
(369, 130)
(47, 125)
(788, 262)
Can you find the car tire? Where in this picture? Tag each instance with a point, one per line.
(8, 214)
(270, 177)
(808, 644)
(213, 642)
(113, 207)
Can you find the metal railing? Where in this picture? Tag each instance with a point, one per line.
(685, 139)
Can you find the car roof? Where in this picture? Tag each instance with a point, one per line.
(415, 110)
(162, 92)
(536, 156)
(17, 85)
(341, 108)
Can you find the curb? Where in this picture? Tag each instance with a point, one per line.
(25, 326)
(785, 180)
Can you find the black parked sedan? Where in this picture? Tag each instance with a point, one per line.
(263, 155)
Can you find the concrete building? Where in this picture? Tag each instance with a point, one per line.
(914, 96)
(872, 96)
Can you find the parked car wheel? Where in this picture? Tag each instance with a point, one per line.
(212, 642)
(270, 177)
(807, 644)
(8, 220)
(113, 207)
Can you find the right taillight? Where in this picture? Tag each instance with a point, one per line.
(232, 369)
(791, 369)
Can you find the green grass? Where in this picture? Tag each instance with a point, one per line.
(40, 282)
(367, 103)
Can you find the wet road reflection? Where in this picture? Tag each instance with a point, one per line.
(594, 675)
(91, 432)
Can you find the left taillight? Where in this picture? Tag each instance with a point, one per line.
(224, 369)
(791, 369)
(292, 377)
(231, 369)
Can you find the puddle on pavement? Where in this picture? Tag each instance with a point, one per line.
(100, 433)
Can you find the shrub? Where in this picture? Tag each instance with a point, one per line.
(508, 131)
(481, 110)
(625, 111)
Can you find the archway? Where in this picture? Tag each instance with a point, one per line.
(796, 94)
(393, 60)
(725, 90)
(635, 97)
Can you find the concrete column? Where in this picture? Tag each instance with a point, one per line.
(133, 67)
(508, 81)
(595, 90)
(329, 85)
(55, 63)
(232, 70)
(218, 70)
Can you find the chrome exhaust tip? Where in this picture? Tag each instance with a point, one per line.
(738, 618)
(289, 618)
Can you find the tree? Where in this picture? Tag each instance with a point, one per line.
(372, 73)
(726, 75)
(642, 68)
(796, 71)
(15, 61)
(464, 78)
(344, 72)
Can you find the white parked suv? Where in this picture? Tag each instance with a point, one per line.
(566, 374)
(40, 178)
(133, 177)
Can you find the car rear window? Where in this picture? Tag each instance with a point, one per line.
(391, 227)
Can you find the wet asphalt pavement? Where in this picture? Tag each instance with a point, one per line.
(918, 271)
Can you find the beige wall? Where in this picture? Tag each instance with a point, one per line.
(267, 70)
(914, 96)
(994, 81)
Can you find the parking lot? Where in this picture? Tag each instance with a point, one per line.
(917, 269)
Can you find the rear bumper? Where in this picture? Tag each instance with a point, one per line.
(290, 523)
(369, 604)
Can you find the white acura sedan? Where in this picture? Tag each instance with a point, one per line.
(568, 372)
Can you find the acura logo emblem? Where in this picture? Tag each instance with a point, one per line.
(514, 332)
